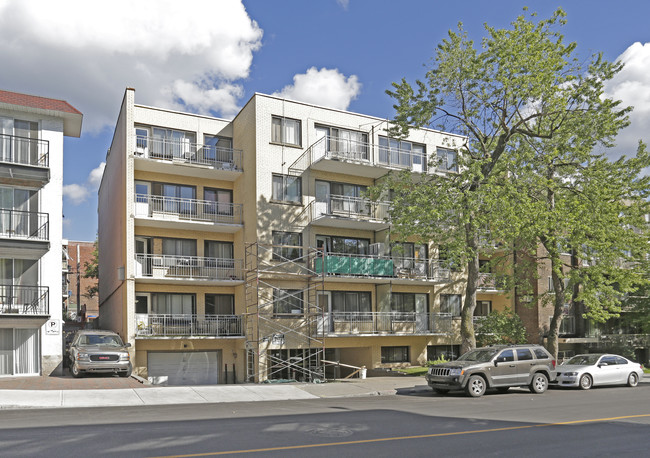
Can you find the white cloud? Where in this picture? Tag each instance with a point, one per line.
(76, 193)
(343, 4)
(327, 87)
(632, 86)
(175, 54)
(79, 193)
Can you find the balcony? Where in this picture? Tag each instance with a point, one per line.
(488, 282)
(15, 224)
(24, 300)
(177, 213)
(184, 269)
(354, 266)
(163, 325)
(349, 213)
(25, 159)
(382, 323)
(357, 158)
(163, 155)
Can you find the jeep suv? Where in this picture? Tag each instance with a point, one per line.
(499, 366)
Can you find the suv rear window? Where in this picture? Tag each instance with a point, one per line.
(524, 354)
(541, 354)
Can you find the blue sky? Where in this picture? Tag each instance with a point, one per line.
(211, 56)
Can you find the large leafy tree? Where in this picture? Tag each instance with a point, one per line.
(523, 83)
(91, 270)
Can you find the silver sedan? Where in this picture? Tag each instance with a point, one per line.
(596, 369)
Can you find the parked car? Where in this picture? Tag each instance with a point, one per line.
(596, 369)
(499, 366)
(99, 351)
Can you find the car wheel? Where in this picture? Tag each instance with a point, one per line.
(441, 390)
(74, 370)
(503, 389)
(126, 373)
(585, 382)
(539, 384)
(475, 386)
(633, 379)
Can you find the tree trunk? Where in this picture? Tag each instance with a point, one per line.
(468, 339)
(558, 307)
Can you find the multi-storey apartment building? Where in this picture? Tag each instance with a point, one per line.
(248, 250)
(31, 211)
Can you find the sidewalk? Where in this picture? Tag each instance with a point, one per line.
(154, 395)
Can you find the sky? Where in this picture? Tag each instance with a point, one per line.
(211, 56)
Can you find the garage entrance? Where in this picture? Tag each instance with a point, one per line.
(184, 368)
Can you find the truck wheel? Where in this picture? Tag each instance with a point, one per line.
(539, 384)
(475, 386)
(74, 370)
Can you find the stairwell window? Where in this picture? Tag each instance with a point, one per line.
(287, 188)
(287, 245)
(285, 131)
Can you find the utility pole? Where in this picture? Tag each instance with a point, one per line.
(78, 282)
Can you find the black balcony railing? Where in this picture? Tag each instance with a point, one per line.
(24, 300)
(24, 225)
(24, 151)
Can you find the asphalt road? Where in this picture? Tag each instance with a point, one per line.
(599, 422)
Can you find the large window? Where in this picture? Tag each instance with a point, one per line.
(217, 148)
(173, 304)
(169, 143)
(219, 250)
(219, 304)
(449, 352)
(348, 143)
(220, 201)
(402, 153)
(395, 354)
(287, 188)
(179, 247)
(287, 302)
(175, 198)
(483, 308)
(346, 245)
(285, 131)
(450, 303)
(18, 211)
(447, 160)
(350, 302)
(287, 245)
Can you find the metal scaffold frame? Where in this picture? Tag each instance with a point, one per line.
(280, 345)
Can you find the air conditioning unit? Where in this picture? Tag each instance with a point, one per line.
(377, 249)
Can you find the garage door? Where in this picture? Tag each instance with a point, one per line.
(184, 368)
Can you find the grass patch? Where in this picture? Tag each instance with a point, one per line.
(415, 371)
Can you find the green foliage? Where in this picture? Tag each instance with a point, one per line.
(500, 328)
(91, 270)
(441, 359)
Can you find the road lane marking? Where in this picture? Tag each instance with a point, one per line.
(399, 438)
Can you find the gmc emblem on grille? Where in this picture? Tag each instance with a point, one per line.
(104, 357)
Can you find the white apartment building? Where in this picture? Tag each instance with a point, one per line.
(246, 250)
(31, 211)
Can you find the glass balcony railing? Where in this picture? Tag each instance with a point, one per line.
(24, 151)
(170, 325)
(24, 300)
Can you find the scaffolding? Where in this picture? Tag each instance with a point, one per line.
(284, 320)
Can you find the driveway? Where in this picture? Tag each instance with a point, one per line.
(67, 382)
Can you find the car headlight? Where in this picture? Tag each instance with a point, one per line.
(571, 374)
(455, 371)
(124, 357)
(81, 356)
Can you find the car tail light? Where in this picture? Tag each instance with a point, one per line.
(553, 364)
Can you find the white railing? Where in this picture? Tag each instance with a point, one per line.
(25, 151)
(181, 150)
(189, 325)
(350, 207)
(172, 266)
(162, 207)
(401, 159)
(351, 323)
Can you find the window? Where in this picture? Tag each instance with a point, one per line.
(450, 303)
(403, 305)
(446, 259)
(287, 245)
(350, 302)
(506, 356)
(483, 308)
(395, 355)
(287, 189)
(402, 153)
(219, 304)
(447, 160)
(217, 149)
(347, 143)
(343, 245)
(173, 198)
(219, 250)
(287, 302)
(173, 304)
(169, 144)
(449, 352)
(219, 201)
(179, 247)
(410, 258)
(285, 131)
(540, 354)
(524, 354)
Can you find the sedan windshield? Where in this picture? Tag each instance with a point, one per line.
(582, 360)
(101, 340)
(481, 356)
